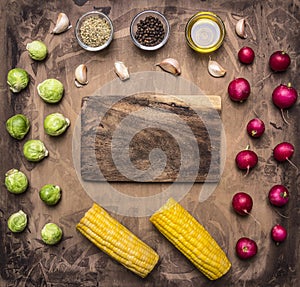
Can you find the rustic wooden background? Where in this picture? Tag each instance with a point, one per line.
(25, 261)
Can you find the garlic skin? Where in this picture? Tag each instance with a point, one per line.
(215, 69)
(121, 70)
(62, 24)
(170, 65)
(240, 28)
(81, 76)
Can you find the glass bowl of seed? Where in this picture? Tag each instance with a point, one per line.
(149, 30)
(94, 31)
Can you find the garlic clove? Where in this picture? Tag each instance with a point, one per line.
(77, 84)
(62, 24)
(240, 28)
(81, 76)
(121, 70)
(215, 69)
(170, 65)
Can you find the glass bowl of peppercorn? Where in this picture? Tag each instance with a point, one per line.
(149, 30)
(94, 31)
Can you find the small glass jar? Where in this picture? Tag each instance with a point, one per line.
(141, 16)
(79, 22)
(205, 32)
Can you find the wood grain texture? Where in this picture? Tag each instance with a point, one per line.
(152, 122)
(27, 262)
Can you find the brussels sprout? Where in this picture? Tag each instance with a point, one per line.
(16, 181)
(51, 90)
(55, 124)
(50, 194)
(37, 50)
(51, 233)
(34, 150)
(17, 222)
(17, 79)
(18, 126)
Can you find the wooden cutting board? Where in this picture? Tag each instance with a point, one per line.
(151, 138)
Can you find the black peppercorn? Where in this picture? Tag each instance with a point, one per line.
(150, 31)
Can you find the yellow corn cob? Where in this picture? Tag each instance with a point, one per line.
(117, 241)
(191, 238)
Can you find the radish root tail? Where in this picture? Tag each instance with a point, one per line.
(280, 214)
(292, 164)
(254, 218)
(283, 117)
(259, 225)
(248, 170)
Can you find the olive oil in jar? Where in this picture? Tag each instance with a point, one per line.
(205, 32)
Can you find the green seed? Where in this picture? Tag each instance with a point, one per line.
(95, 31)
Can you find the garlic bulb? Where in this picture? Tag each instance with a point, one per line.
(121, 70)
(240, 28)
(215, 69)
(170, 65)
(81, 76)
(62, 24)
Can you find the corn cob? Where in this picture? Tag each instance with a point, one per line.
(117, 241)
(191, 238)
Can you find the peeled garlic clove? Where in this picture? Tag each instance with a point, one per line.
(170, 65)
(62, 24)
(81, 76)
(121, 70)
(240, 28)
(215, 69)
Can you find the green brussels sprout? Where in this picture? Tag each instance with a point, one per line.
(18, 126)
(16, 181)
(50, 194)
(17, 222)
(34, 150)
(55, 124)
(17, 79)
(51, 90)
(51, 233)
(37, 50)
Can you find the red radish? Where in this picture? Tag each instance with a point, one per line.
(278, 195)
(239, 89)
(256, 128)
(283, 151)
(246, 248)
(246, 55)
(246, 159)
(283, 97)
(278, 233)
(279, 61)
(242, 203)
